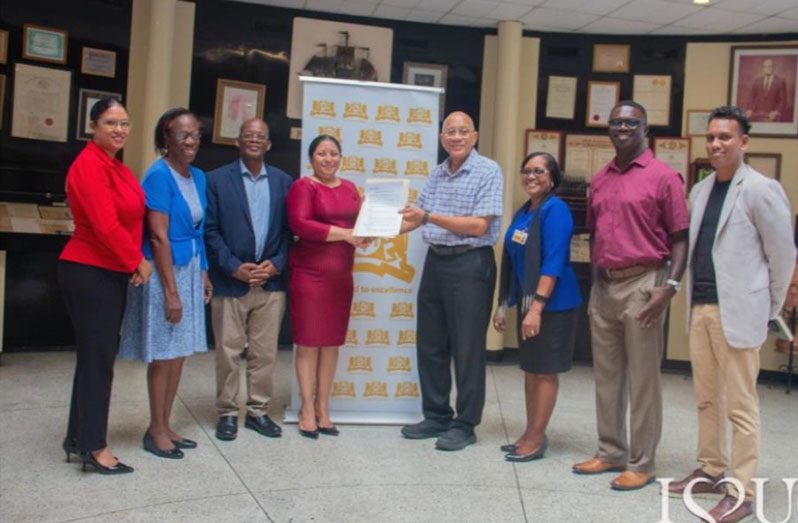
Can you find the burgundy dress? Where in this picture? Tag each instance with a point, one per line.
(320, 285)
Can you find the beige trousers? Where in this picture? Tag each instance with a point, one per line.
(251, 321)
(724, 378)
(626, 366)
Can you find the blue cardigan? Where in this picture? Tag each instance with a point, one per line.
(163, 195)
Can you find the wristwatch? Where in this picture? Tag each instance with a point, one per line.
(673, 283)
(425, 218)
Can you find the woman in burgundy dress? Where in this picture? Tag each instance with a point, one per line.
(322, 209)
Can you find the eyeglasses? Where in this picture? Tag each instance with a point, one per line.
(113, 124)
(537, 172)
(451, 132)
(183, 137)
(254, 137)
(631, 123)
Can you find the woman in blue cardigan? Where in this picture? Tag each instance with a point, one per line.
(536, 274)
(165, 319)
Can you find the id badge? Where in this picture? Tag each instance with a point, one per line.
(519, 237)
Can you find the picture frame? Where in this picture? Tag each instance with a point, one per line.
(98, 62)
(601, 98)
(674, 151)
(32, 119)
(700, 169)
(544, 140)
(697, 120)
(768, 164)
(561, 97)
(654, 93)
(86, 99)
(2, 97)
(3, 46)
(427, 75)
(236, 102)
(763, 81)
(586, 154)
(611, 58)
(45, 44)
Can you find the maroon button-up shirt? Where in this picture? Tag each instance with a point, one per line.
(633, 213)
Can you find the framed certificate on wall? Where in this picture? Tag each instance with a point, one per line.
(675, 152)
(654, 93)
(540, 140)
(601, 98)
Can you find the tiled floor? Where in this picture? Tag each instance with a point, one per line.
(369, 473)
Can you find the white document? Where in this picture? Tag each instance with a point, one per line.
(379, 215)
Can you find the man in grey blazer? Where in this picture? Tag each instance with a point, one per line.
(741, 259)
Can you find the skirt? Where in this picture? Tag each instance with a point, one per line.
(552, 350)
(147, 336)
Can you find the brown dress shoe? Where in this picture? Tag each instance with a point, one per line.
(720, 513)
(596, 466)
(631, 480)
(708, 488)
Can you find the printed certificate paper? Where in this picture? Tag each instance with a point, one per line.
(379, 215)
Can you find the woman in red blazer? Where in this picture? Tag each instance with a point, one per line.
(95, 267)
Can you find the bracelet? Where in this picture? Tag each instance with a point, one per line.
(541, 298)
(425, 218)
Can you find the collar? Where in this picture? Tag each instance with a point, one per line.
(246, 172)
(102, 155)
(641, 161)
(465, 168)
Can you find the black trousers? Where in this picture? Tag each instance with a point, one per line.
(95, 299)
(454, 305)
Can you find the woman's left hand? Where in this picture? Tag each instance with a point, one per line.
(207, 287)
(530, 327)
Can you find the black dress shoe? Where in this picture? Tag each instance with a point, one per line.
(312, 434)
(119, 468)
(536, 454)
(149, 446)
(263, 425)
(185, 443)
(510, 447)
(332, 430)
(227, 428)
(70, 446)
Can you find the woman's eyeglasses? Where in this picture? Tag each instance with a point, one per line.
(537, 172)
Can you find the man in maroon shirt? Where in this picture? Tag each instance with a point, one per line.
(637, 215)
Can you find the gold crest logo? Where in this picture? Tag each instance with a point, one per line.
(356, 111)
(351, 338)
(331, 130)
(385, 166)
(386, 256)
(399, 364)
(378, 337)
(343, 389)
(370, 137)
(409, 140)
(388, 113)
(360, 364)
(403, 310)
(376, 389)
(353, 164)
(364, 309)
(419, 115)
(412, 196)
(406, 389)
(407, 337)
(417, 168)
(323, 109)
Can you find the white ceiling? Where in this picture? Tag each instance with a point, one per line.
(666, 17)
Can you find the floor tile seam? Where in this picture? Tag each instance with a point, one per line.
(224, 457)
(388, 485)
(161, 504)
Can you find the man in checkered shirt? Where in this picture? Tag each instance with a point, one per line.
(460, 210)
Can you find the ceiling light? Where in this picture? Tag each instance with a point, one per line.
(701, 2)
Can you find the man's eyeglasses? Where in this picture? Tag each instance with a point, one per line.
(451, 132)
(113, 124)
(182, 137)
(537, 172)
(254, 137)
(631, 123)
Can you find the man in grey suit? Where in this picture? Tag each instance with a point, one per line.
(741, 259)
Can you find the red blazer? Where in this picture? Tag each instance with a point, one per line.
(107, 205)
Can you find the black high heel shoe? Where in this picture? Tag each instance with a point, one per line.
(149, 446)
(70, 446)
(185, 443)
(119, 468)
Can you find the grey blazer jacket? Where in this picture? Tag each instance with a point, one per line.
(753, 253)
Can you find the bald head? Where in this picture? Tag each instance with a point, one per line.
(458, 138)
(459, 115)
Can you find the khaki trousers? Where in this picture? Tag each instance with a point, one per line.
(626, 366)
(251, 321)
(724, 378)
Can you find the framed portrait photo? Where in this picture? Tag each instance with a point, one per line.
(46, 44)
(98, 62)
(768, 164)
(763, 82)
(86, 100)
(427, 75)
(235, 102)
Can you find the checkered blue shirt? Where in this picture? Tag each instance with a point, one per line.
(474, 190)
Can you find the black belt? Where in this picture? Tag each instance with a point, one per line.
(449, 250)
